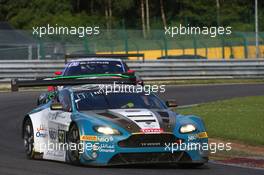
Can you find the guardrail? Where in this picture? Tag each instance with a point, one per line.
(149, 70)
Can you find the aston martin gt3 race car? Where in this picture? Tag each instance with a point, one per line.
(81, 124)
(97, 67)
(94, 68)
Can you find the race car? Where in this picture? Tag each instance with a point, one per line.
(97, 67)
(82, 124)
(93, 68)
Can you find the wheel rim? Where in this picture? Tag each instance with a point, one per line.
(28, 138)
(74, 138)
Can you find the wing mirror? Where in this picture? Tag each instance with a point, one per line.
(131, 71)
(171, 103)
(56, 106)
(57, 73)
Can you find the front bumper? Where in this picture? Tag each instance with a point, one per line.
(122, 151)
(153, 158)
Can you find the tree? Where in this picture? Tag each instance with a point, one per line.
(91, 7)
(23, 14)
(163, 17)
(78, 5)
(143, 18)
(147, 16)
(108, 14)
(218, 12)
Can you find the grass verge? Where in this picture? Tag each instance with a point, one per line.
(240, 119)
(209, 81)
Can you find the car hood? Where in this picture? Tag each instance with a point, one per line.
(138, 120)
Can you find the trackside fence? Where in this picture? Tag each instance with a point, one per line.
(148, 70)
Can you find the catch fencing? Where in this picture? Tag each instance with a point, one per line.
(18, 44)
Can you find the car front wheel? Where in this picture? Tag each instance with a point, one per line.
(28, 136)
(73, 139)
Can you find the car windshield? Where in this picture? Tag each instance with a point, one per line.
(93, 67)
(92, 100)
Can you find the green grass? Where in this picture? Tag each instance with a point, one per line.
(240, 119)
(213, 81)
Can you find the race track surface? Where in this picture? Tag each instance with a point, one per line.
(12, 158)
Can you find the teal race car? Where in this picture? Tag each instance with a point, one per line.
(81, 124)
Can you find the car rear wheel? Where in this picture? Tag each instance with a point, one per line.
(28, 136)
(73, 139)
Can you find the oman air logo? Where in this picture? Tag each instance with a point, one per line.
(41, 131)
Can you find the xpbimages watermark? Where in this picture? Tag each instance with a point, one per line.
(126, 88)
(110, 147)
(80, 31)
(193, 146)
(174, 31)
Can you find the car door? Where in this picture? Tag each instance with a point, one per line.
(58, 125)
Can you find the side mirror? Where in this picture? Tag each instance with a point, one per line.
(171, 103)
(57, 73)
(51, 88)
(56, 106)
(131, 71)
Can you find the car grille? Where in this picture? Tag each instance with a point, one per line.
(148, 158)
(148, 140)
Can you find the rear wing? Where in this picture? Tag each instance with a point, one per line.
(16, 83)
(119, 56)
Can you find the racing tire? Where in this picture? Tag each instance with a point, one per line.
(28, 137)
(73, 137)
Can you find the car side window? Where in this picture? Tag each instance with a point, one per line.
(65, 100)
(126, 67)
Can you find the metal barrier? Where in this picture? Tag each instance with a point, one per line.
(149, 70)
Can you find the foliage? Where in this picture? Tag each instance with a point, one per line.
(24, 14)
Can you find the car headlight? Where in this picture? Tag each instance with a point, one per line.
(107, 130)
(187, 128)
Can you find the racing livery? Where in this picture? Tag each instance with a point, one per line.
(82, 125)
(97, 67)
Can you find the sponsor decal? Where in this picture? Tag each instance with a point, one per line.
(90, 138)
(105, 139)
(192, 137)
(152, 130)
(56, 115)
(200, 135)
(150, 144)
(148, 124)
(61, 136)
(41, 131)
(100, 147)
(54, 153)
(53, 134)
(107, 148)
(93, 138)
(95, 62)
(74, 63)
(101, 144)
(62, 127)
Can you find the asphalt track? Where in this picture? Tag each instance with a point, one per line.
(12, 158)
